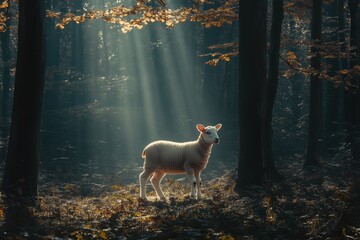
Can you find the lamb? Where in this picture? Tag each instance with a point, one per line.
(162, 157)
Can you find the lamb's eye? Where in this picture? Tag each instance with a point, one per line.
(208, 133)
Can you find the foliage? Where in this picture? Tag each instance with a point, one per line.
(344, 77)
(308, 205)
(142, 13)
(4, 7)
(222, 56)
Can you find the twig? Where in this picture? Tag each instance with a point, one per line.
(294, 68)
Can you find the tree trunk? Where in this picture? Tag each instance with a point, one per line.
(252, 57)
(353, 97)
(315, 110)
(270, 89)
(331, 94)
(21, 170)
(353, 7)
(5, 48)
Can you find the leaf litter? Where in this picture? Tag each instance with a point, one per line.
(315, 203)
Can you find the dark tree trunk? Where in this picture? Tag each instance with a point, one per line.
(357, 42)
(315, 110)
(252, 57)
(295, 82)
(331, 94)
(353, 97)
(270, 89)
(341, 60)
(21, 170)
(353, 7)
(5, 48)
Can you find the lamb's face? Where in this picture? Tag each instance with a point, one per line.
(209, 133)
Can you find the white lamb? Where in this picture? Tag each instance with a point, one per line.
(162, 157)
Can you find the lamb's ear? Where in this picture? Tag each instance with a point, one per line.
(218, 126)
(200, 128)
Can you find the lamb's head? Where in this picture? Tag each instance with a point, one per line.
(209, 133)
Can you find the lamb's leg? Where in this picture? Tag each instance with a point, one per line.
(198, 184)
(155, 180)
(191, 176)
(143, 178)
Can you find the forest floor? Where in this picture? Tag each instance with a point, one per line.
(322, 202)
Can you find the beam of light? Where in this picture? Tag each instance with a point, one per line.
(159, 90)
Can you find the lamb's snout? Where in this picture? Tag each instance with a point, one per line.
(216, 140)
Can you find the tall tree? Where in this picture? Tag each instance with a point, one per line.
(21, 170)
(331, 94)
(5, 48)
(252, 57)
(315, 108)
(270, 89)
(350, 98)
(354, 44)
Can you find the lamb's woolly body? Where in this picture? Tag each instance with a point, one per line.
(172, 157)
(162, 157)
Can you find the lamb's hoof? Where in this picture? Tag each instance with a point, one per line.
(143, 199)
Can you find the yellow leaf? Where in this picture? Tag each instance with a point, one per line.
(344, 71)
(170, 23)
(290, 4)
(213, 62)
(116, 187)
(330, 56)
(103, 235)
(59, 25)
(5, 4)
(291, 55)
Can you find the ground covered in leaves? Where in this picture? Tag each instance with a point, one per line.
(317, 203)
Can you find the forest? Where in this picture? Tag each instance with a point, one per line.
(86, 85)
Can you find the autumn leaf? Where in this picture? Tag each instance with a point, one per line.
(213, 62)
(170, 23)
(291, 55)
(4, 4)
(290, 4)
(330, 56)
(103, 235)
(60, 26)
(116, 187)
(344, 71)
(225, 57)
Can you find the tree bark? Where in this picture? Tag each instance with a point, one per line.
(353, 97)
(252, 57)
(5, 48)
(270, 89)
(21, 169)
(315, 108)
(331, 93)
